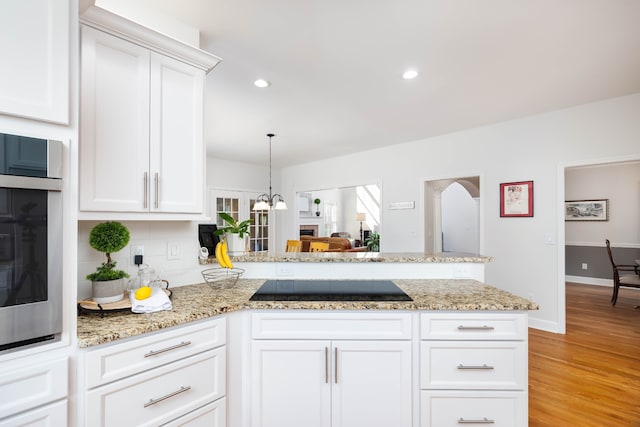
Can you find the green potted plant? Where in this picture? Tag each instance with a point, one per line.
(317, 202)
(107, 283)
(373, 242)
(236, 233)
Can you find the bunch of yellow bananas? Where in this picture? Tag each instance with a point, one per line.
(222, 254)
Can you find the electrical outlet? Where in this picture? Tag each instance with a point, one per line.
(584, 266)
(136, 250)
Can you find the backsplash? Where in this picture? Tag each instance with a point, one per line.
(171, 248)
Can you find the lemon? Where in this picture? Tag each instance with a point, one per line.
(143, 293)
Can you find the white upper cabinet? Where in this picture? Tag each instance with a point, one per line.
(142, 150)
(34, 77)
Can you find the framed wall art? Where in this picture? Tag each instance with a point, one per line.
(516, 199)
(586, 210)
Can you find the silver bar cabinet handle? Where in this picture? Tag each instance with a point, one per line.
(173, 347)
(146, 189)
(326, 365)
(157, 187)
(483, 367)
(160, 399)
(475, 328)
(484, 420)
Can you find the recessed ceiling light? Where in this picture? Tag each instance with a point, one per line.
(262, 83)
(410, 74)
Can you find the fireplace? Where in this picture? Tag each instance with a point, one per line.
(309, 230)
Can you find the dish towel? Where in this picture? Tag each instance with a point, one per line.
(158, 301)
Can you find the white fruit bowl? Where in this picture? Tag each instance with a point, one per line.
(222, 278)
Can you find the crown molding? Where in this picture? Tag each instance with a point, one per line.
(118, 26)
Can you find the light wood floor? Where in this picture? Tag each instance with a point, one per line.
(591, 375)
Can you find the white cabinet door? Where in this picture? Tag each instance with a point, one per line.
(34, 76)
(371, 384)
(114, 131)
(177, 142)
(291, 383)
(337, 384)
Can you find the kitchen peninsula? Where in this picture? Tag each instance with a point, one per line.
(359, 265)
(456, 351)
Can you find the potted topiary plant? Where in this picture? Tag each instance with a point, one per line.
(373, 242)
(235, 233)
(107, 283)
(317, 202)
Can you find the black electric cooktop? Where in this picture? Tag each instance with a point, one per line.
(329, 290)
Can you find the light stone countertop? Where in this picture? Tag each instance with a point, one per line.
(201, 301)
(406, 257)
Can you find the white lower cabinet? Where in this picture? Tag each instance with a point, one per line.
(30, 383)
(333, 381)
(473, 369)
(176, 377)
(53, 415)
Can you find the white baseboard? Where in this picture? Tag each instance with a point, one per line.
(589, 280)
(544, 325)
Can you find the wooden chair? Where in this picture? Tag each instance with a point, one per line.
(294, 246)
(628, 280)
(318, 247)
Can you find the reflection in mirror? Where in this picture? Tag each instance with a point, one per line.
(352, 212)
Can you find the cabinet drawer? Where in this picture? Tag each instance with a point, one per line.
(211, 415)
(350, 325)
(53, 415)
(120, 360)
(473, 365)
(474, 326)
(26, 385)
(458, 409)
(160, 395)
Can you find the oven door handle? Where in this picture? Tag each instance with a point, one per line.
(30, 183)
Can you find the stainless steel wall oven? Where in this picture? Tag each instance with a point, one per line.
(30, 240)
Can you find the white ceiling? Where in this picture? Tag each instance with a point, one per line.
(335, 67)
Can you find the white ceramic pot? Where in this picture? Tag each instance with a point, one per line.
(108, 291)
(236, 245)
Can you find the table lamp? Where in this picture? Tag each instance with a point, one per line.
(361, 216)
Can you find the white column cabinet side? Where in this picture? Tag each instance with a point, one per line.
(141, 139)
(356, 372)
(34, 78)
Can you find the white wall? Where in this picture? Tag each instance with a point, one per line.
(228, 175)
(532, 148)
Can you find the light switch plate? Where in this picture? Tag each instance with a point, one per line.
(173, 250)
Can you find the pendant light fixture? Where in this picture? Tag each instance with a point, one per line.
(266, 202)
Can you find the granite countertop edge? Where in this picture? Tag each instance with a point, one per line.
(201, 301)
(359, 257)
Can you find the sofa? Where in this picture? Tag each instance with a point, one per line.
(336, 244)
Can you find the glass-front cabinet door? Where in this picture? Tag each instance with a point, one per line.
(259, 240)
